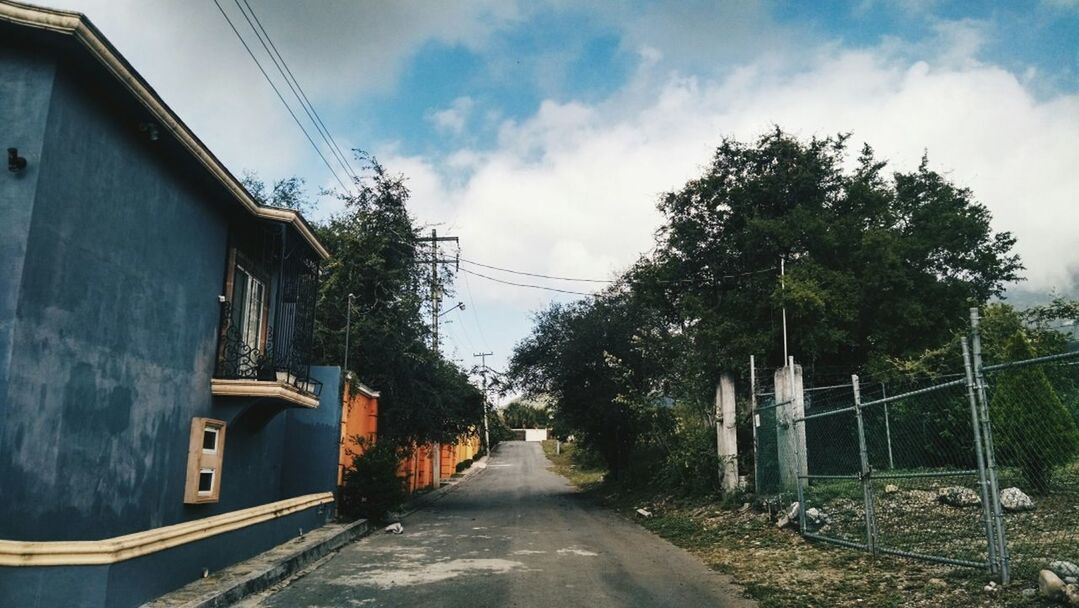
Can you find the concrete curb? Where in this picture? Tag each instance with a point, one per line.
(420, 502)
(267, 569)
(262, 571)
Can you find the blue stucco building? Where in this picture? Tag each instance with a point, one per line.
(159, 413)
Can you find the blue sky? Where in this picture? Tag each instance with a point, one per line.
(542, 133)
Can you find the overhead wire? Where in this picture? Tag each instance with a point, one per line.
(475, 315)
(280, 96)
(544, 287)
(533, 274)
(606, 281)
(297, 90)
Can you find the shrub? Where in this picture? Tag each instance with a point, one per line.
(691, 465)
(464, 464)
(372, 486)
(1031, 427)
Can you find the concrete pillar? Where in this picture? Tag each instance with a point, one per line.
(726, 434)
(436, 465)
(791, 437)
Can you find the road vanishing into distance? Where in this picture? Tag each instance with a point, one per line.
(513, 534)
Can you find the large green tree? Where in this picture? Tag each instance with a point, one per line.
(879, 266)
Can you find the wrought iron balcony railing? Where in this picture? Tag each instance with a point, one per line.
(274, 362)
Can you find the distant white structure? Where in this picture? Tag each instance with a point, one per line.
(530, 434)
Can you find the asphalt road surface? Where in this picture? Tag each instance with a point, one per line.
(513, 534)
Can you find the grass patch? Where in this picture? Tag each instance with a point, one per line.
(779, 568)
(563, 463)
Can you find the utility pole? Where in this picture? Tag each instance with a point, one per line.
(348, 328)
(436, 299)
(483, 373)
(783, 287)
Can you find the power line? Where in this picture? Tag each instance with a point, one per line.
(280, 96)
(533, 274)
(610, 281)
(475, 315)
(483, 276)
(297, 91)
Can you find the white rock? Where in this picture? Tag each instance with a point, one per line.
(816, 517)
(891, 488)
(395, 528)
(644, 513)
(1013, 499)
(1050, 585)
(1030, 593)
(937, 583)
(1063, 568)
(792, 512)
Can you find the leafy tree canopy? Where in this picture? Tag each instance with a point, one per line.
(378, 259)
(879, 267)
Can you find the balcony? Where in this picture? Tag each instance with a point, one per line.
(280, 370)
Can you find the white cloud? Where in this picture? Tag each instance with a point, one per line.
(572, 190)
(454, 118)
(337, 51)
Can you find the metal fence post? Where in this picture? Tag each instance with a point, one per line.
(867, 488)
(887, 426)
(983, 481)
(987, 440)
(754, 421)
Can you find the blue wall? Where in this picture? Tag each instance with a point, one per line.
(26, 81)
(115, 330)
(311, 458)
(113, 253)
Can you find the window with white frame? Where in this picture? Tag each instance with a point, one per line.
(205, 457)
(248, 307)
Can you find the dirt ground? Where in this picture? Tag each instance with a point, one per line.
(781, 569)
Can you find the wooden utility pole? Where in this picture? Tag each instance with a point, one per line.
(436, 300)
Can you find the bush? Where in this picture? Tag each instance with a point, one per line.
(1031, 427)
(464, 464)
(691, 465)
(372, 486)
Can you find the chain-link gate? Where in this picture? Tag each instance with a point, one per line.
(903, 475)
(980, 469)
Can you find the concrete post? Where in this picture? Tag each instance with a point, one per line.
(726, 433)
(436, 466)
(790, 437)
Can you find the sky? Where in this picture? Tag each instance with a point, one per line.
(542, 133)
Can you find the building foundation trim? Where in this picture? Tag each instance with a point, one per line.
(120, 548)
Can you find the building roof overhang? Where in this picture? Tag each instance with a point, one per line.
(79, 28)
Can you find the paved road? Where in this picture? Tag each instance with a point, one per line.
(514, 534)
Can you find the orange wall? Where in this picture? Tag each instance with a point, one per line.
(359, 418)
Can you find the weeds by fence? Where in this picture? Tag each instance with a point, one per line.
(980, 470)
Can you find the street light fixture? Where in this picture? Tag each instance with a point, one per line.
(460, 305)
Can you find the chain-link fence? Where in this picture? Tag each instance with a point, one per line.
(1034, 415)
(978, 469)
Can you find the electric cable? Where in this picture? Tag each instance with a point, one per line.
(297, 91)
(280, 96)
(489, 278)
